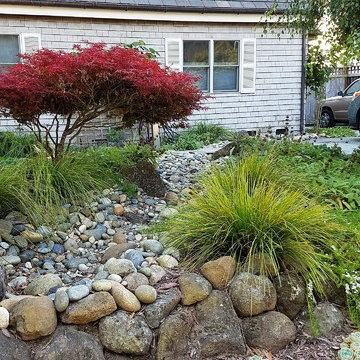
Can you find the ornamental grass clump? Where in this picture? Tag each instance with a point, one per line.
(251, 210)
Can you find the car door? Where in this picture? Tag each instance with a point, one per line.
(341, 106)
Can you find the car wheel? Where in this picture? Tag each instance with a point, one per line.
(327, 119)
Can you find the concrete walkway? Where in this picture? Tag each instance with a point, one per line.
(347, 144)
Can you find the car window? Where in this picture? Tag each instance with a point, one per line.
(353, 88)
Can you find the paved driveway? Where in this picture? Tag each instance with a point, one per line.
(348, 145)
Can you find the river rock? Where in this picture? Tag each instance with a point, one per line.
(42, 284)
(156, 274)
(271, 331)
(162, 307)
(102, 285)
(135, 256)
(124, 334)
(219, 330)
(78, 292)
(89, 309)
(116, 250)
(153, 246)
(61, 300)
(168, 261)
(119, 238)
(124, 298)
(9, 260)
(290, 292)
(68, 343)
(329, 319)
(193, 288)
(146, 294)
(32, 236)
(134, 280)
(120, 267)
(4, 318)
(12, 348)
(219, 272)
(252, 294)
(34, 317)
(118, 210)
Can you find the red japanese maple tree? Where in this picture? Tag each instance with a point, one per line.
(75, 88)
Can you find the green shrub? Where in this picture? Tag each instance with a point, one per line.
(16, 145)
(248, 209)
(198, 136)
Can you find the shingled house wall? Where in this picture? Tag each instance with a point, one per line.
(278, 65)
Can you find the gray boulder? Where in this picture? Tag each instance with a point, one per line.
(13, 349)
(42, 284)
(219, 328)
(193, 288)
(68, 343)
(252, 294)
(162, 307)
(125, 334)
(271, 331)
(328, 319)
(290, 292)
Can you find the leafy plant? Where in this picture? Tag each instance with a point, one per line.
(16, 145)
(197, 136)
(115, 136)
(249, 209)
(75, 88)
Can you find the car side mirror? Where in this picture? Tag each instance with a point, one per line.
(341, 93)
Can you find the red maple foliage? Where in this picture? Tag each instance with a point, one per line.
(77, 87)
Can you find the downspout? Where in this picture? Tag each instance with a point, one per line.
(303, 89)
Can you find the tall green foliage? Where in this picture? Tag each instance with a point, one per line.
(249, 209)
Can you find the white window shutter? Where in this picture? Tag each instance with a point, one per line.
(30, 43)
(174, 54)
(248, 65)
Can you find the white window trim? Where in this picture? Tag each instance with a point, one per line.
(22, 38)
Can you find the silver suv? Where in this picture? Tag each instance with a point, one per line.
(335, 109)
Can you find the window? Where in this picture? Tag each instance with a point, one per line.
(353, 89)
(9, 48)
(196, 61)
(222, 65)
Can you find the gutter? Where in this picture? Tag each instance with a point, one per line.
(303, 85)
(141, 7)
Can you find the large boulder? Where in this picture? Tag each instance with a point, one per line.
(219, 272)
(42, 284)
(328, 319)
(252, 294)
(271, 331)
(162, 307)
(219, 328)
(12, 348)
(89, 309)
(193, 288)
(120, 267)
(68, 343)
(34, 317)
(174, 340)
(125, 334)
(290, 290)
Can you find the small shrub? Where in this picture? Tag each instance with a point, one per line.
(198, 136)
(249, 210)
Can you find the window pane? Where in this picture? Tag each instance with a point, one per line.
(203, 83)
(226, 52)
(196, 53)
(9, 48)
(226, 78)
(353, 88)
